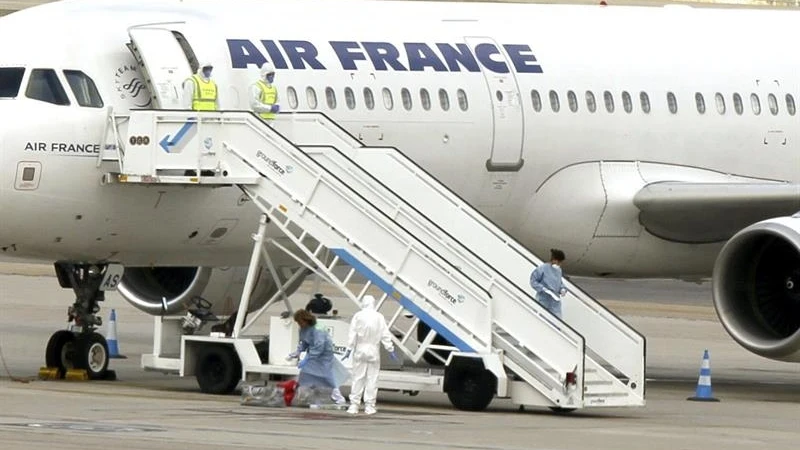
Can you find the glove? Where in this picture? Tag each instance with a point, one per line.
(275, 108)
(302, 363)
(393, 355)
(292, 356)
(346, 354)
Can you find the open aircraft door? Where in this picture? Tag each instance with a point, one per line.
(165, 60)
(506, 155)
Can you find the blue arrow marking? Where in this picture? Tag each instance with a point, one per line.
(166, 143)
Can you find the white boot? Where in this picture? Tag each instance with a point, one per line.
(337, 397)
(370, 410)
(353, 409)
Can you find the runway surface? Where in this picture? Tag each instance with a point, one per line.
(759, 399)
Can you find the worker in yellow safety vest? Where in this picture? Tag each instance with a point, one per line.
(264, 95)
(200, 91)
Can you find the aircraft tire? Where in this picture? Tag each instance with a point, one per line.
(91, 355)
(60, 351)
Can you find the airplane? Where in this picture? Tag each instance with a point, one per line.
(643, 141)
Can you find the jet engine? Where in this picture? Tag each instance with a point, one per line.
(756, 288)
(152, 289)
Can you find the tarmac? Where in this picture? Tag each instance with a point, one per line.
(759, 403)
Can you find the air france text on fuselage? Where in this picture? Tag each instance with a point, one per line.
(383, 56)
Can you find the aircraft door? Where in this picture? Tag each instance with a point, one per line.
(166, 60)
(506, 152)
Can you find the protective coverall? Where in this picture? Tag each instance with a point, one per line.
(547, 282)
(200, 92)
(368, 329)
(264, 95)
(317, 368)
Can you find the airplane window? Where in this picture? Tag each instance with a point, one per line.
(737, 104)
(755, 102)
(572, 99)
(790, 106)
(672, 103)
(292, 94)
(369, 99)
(645, 100)
(536, 100)
(425, 98)
(350, 98)
(773, 104)
(701, 102)
(10, 81)
(591, 103)
(444, 100)
(44, 85)
(554, 103)
(627, 103)
(609, 99)
(462, 99)
(388, 101)
(311, 97)
(84, 89)
(330, 97)
(405, 94)
(720, 103)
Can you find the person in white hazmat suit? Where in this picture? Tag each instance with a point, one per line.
(200, 91)
(264, 94)
(368, 329)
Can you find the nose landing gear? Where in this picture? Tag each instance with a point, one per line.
(80, 346)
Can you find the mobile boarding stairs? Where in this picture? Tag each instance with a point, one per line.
(373, 211)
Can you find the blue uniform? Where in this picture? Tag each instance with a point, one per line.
(318, 370)
(547, 282)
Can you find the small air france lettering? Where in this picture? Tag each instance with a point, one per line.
(385, 56)
(444, 293)
(63, 147)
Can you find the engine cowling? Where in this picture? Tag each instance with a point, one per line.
(144, 288)
(756, 288)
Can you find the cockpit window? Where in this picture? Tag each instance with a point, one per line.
(10, 81)
(44, 85)
(84, 89)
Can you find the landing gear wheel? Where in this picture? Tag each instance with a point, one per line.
(91, 354)
(218, 369)
(60, 351)
(472, 390)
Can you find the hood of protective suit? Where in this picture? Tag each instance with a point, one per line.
(368, 302)
(201, 66)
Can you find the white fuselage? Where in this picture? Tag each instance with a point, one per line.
(576, 164)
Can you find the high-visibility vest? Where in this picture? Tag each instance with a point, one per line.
(269, 96)
(205, 94)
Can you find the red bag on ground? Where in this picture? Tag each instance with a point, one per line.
(289, 388)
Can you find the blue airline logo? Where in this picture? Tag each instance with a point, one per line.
(410, 56)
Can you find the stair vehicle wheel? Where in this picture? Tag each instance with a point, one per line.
(91, 355)
(60, 351)
(560, 410)
(471, 390)
(218, 369)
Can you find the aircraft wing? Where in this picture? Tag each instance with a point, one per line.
(696, 212)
